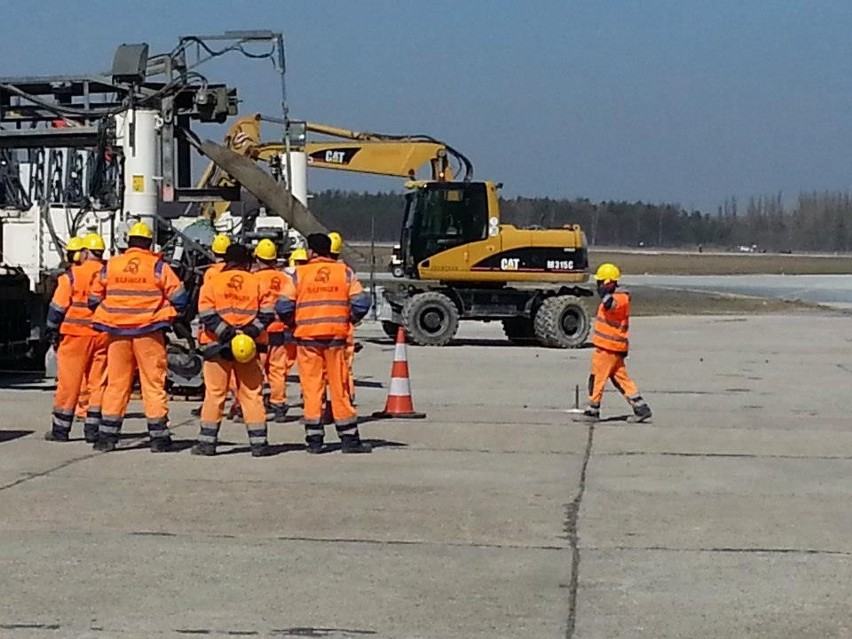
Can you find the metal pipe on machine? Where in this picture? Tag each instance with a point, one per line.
(138, 131)
(298, 174)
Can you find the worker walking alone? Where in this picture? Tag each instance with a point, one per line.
(610, 339)
(275, 363)
(82, 351)
(137, 296)
(323, 299)
(234, 312)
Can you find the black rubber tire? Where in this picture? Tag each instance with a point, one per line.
(390, 328)
(562, 322)
(430, 318)
(520, 330)
(397, 271)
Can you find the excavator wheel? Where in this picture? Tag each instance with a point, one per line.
(390, 328)
(430, 318)
(519, 330)
(561, 322)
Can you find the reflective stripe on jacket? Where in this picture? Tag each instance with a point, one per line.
(69, 309)
(612, 324)
(136, 293)
(234, 298)
(324, 297)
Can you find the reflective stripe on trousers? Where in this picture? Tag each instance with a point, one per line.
(209, 433)
(256, 434)
(158, 427)
(62, 421)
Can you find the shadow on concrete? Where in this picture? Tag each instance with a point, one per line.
(10, 435)
(332, 447)
(277, 449)
(470, 341)
(178, 445)
(26, 381)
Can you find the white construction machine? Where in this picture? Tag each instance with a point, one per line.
(95, 153)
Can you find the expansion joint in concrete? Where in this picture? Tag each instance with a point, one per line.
(571, 530)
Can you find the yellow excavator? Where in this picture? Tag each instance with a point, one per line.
(459, 259)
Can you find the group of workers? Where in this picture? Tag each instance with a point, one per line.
(109, 319)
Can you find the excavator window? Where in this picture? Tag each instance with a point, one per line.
(443, 215)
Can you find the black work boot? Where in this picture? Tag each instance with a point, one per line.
(313, 448)
(591, 415)
(161, 444)
(353, 445)
(105, 444)
(205, 449)
(641, 413)
(91, 434)
(55, 436)
(262, 450)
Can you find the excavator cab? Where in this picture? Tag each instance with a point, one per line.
(440, 216)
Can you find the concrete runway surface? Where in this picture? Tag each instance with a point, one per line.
(834, 291)
(728, 516)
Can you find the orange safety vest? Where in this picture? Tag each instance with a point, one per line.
(237, 297)
(135, 294)
(212, 270)
(71, 299)
(322, 299)
(612, 325)
(271, 282)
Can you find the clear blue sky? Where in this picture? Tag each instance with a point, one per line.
(689, 101)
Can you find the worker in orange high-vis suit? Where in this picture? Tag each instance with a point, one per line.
(610, 339)
(137, 296)
(82, 351)
(322, 300)
(219, 246)
(274, 360)
(74, 254)
(234, 311)
(336, 250)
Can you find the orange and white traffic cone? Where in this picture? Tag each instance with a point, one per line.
(399, 403)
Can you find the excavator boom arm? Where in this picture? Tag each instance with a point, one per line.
(399, 158)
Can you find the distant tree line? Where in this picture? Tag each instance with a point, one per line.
(816, 222)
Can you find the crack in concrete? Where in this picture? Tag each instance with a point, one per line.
(71, 462)
(412, 542)
(571, 521)
(778, 551)
(643, 453)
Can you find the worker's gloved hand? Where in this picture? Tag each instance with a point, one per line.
(227, 334)
(52, 335)
(358, 347)
(251, 330)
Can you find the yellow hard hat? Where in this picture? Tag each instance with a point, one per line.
(220, 244)
(336, 242)
(265, 250)
(298, 255)
(94, 242)
(608, 273)
(140, 229)
(243, 348)
(75, 244)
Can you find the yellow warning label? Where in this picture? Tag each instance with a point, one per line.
(138, 184)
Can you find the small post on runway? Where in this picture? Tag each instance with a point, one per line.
(577, 396)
